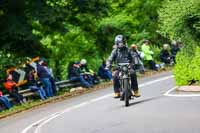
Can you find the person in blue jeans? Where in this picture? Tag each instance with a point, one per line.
(44, 77)
(4, 100)
(74, 74)
(36, 85)
(51, 78)
(103, 73)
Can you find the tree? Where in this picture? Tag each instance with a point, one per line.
(67, 30)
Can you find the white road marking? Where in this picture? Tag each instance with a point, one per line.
(155, 81)
(179, 95)
(167, 93)
(40, 123)
(100, 98)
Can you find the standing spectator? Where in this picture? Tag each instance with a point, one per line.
(174, 49)
(104, 73)
(51, 78)
(11, 86)
(4, 100)
(148, 55)
(36, 85)
(137, 58)
(74, 74)
(44, 77)
(165, 56)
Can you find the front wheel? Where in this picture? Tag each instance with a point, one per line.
(126, 92)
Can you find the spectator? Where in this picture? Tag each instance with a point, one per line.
(44, 77)
(148, 55)
(36, 85)
(165, 56)
(91, 74)
(137, 56)
(72, 70)
(104, 73)
(4, 100)
(12, 88)
(51, 78)
(175, 48)
(74, 74)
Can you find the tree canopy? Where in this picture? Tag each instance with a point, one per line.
(180, 20)
(68, 30)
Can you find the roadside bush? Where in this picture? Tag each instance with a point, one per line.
(181, 71)
(186, 70)
(195, 66)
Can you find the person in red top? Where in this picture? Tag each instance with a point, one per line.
(4, 100)
(11, 86)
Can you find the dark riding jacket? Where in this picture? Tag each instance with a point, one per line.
(119, 55)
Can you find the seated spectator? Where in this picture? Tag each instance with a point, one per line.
(44, 76)
(104, 73)
(36, 85)
(12, 88)
(148, 55)
(4, 100)
(165, 56)
(74, 74)
(90, 73)
(137, 56)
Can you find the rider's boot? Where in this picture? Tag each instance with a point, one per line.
(122, 97)
(136, 93)
(117, 95)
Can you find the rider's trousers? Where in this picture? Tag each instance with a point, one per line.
(116, 82)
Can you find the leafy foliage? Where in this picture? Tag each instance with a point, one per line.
(109, 27)
(187, 69)
(179, 20)
(68, 30)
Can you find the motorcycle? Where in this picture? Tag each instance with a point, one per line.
(125, 80)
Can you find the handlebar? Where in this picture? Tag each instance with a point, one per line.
(123, 64)
(119, 65)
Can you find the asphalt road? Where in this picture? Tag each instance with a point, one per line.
(99, 112)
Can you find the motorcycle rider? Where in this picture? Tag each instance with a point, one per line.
(122, 54)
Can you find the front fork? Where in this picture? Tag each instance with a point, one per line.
(122, 78)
